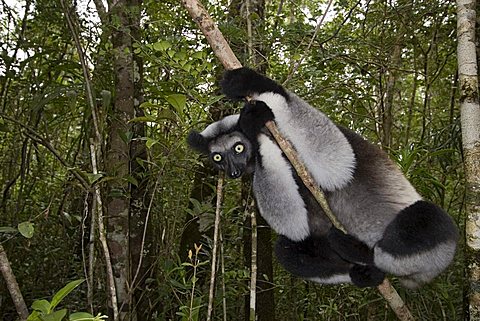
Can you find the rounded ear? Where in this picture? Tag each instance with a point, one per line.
(197, 142)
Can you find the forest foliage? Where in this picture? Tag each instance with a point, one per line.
(385, 69)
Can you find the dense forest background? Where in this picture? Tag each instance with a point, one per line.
(96, 100)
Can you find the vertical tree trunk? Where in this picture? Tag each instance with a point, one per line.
(140, 240)
(470, 118)
(124, 241)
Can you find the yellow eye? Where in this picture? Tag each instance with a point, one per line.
(217, 158)
(239, 148)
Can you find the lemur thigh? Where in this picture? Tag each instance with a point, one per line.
(417, 245)
(315, 260)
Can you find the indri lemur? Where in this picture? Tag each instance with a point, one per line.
(390, 228)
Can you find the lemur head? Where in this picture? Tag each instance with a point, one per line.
(228, 149)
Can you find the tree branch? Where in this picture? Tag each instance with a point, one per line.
(229, 61)
(12, 285)
(35, 136)
(215, 244)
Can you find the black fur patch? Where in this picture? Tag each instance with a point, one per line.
(350, 248)
(418, 228)
(366, 276)
(242, 82)
(309, 258)
(198, 142)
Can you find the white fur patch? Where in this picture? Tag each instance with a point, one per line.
(215, 128)
(334, 279)
(320, 145)
(421, 267)
(277, 103)
(277, 194)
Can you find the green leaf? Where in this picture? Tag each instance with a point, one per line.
(132, 180)
(92, 178)
(106, 98)
(126, 137)
(150, 142)
(42, 306)
(55, 316)
(8, 229)
(81, 316)
(65, 291)
(161, 45)
(198, 55)
(167, 114)
(26, 229)
(178, 101)
(148, 104)
(142, 119)
(34, 316)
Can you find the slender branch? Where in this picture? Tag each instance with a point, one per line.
(86, 75)
(305, 53)
(97, 209)
(303, 173)
(88, 268)
(12, 285)
(249, 31)
(222, 262)
(8, 62)
(215, 243)
(253, 272)
(91, 253)
(101, 10)
(214, 37)
(34, 135)
(229, 61)
(144, 236)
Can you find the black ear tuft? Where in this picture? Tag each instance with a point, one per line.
(197, 142)
(242, 82)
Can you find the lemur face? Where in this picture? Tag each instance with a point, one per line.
(231, 153)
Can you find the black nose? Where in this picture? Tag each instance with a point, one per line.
(235, 174)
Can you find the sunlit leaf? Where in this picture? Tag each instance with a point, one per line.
(26, 229)
(42, 306)
(80, 316)
(161, 45)
(63, 292)
(55, 316)
(178, 101)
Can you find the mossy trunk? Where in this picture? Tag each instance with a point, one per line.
(470, 118)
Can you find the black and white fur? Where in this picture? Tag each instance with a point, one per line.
(390, 228)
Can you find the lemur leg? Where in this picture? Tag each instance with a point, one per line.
(315, 260)
(350, 248)
(418, 244)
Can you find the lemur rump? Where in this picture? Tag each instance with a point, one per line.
(390, 228)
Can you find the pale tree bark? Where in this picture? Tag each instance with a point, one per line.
(12, 285)
(122, 215)
(470, 118)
